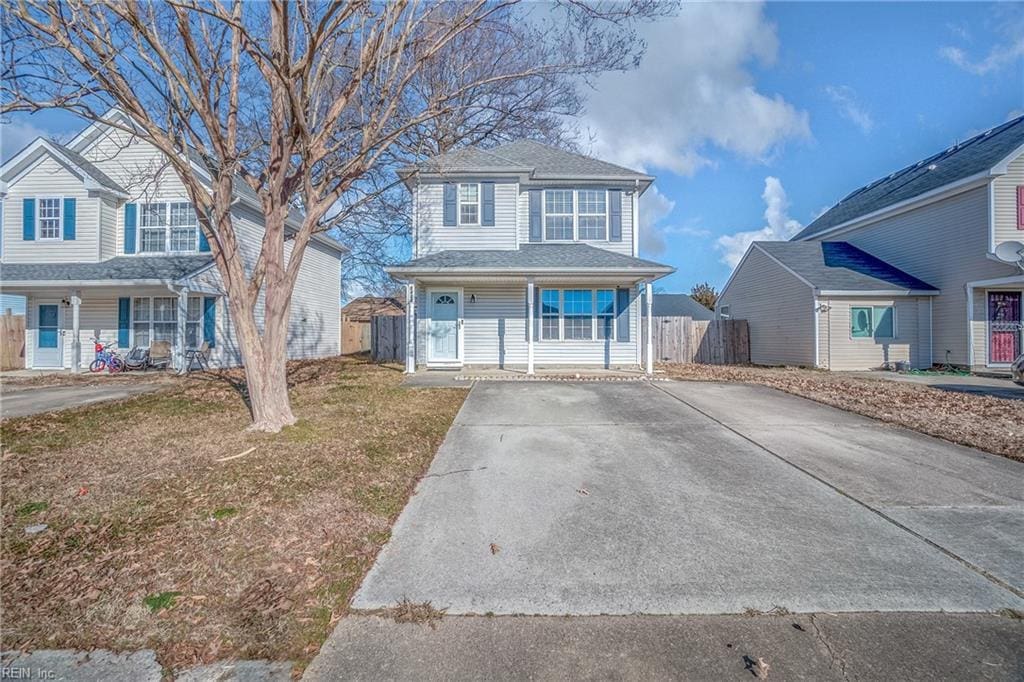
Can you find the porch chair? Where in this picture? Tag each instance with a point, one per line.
(160, 354)
(199, 355)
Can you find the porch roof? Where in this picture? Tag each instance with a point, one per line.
(120, 270)
(540, 259)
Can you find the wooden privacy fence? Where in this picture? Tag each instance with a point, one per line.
(12, 341)
(355, 336)
(706, 342)
(387, 338)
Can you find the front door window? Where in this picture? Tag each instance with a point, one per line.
(1004, 325)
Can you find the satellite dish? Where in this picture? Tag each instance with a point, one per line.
(1011, 252)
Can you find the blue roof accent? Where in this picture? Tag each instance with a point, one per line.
(964, 159)
(841, 266)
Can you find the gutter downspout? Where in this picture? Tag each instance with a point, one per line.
(817, 333)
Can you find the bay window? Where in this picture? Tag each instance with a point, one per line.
(575, 215)
(168, 226)
(577, 314)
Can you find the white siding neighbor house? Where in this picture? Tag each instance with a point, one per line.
(525, 256)
(101, 239)
(924, 266)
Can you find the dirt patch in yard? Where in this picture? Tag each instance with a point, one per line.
(151, 542)
(994, 425)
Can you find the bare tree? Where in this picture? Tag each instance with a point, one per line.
(310, 103)
(704, 294)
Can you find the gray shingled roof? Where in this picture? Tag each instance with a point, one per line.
(541, 160)
(841, 266)
(976, 155)
(120, 268)
(679, 305)
(529, 257)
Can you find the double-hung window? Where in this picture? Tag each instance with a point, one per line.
(577, 314)
(877, 322)
(558, 214)
(168, 226)
(155, 319)
(469, 203)
(49, 218)
(593, 214)
(550, 311)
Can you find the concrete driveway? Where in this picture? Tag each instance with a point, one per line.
(28, 400)
(698, 498)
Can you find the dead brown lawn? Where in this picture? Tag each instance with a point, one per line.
(152, 543)
(995, 425)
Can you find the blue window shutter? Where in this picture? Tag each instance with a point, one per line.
(450, 204)
(615, 215)
(129, 227)
(622, 330)
(535, 217)
(487, 204)
(124, 318)
(28, 219)
(210, 320)
(69, 219)
(204, 244)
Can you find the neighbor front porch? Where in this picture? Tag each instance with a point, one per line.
(996, 323)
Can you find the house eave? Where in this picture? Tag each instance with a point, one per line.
(404, 272)
(867, 293)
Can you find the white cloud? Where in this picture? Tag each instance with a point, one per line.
(694, 89)
(14, 135)
(845, 99)
(654, 207)
(998, 57)
(779, 226)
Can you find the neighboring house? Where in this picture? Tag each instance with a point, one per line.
(525, 256)
(101, 239)
(901, 269)
(357, 314)
(680, 305)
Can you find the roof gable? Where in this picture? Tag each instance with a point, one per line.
(92, 177)
(977, 155)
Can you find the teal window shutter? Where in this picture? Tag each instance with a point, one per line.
(860, 322)
(130, 217)
(883, 322)
(210, 320)
(69, 219)
(124, 319)
(28, 219)
(204, 244)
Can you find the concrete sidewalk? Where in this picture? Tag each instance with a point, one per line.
(29, 400)
(864, 646)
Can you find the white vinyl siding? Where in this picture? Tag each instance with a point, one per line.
(1004, 192)
(840, 350)
(778, 308)
(50, 179)
(432, 235)
(495, 327)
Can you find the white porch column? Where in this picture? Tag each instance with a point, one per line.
(410, 328)
(529, 325)
(179, 350)
(76, 340)
(649, 302)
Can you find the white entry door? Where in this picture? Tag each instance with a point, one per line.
(49, 347)
(444, 326)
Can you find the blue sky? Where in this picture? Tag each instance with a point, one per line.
(756, 117)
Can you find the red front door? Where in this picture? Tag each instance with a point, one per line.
(1004, 326)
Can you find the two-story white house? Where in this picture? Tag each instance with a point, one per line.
(916, 267)
(525, 256)
(100, 237)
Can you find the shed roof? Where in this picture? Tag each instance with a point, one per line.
(841, 266)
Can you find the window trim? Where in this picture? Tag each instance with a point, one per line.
(576, 214)
(39, 218)
(595, 317)
(167, 227)
(459, 203)
(873, 336)
(151, 321)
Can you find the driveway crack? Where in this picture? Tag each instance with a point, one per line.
(836, 658)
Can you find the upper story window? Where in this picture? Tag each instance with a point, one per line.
(571, 215)
(469, 203)
(558, 214)
(49, 218)
(167, 226)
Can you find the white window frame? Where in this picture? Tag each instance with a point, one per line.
(59, 218)
(151, 322)
(167, 227)
(459, 203)
(544, 214)
(595, 317)
(874, 337)
(575, 214)
(580, 214)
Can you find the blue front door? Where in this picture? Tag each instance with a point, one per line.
(49, 349)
